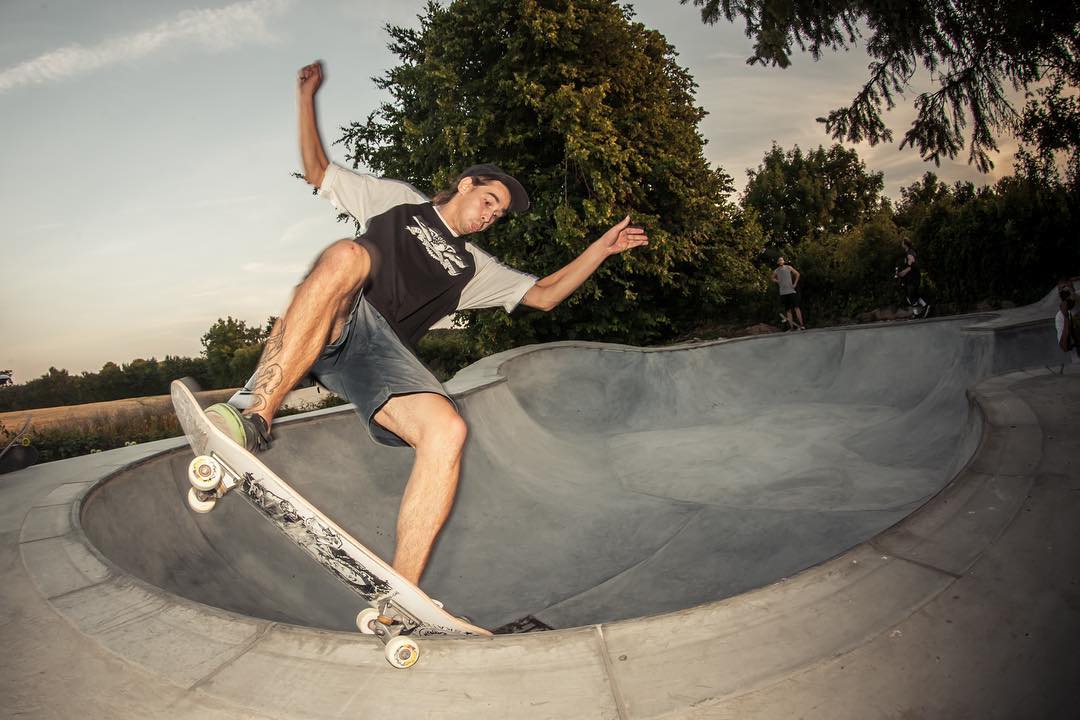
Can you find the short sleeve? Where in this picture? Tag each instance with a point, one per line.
(365, 196)
(493, 284)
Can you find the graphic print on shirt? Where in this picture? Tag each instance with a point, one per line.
(437, 247)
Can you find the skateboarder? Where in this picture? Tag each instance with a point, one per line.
(354, 321)
(787, 277)
(911, 275)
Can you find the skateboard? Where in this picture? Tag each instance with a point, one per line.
(786, 326)
(399, 612)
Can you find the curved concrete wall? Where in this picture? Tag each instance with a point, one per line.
(603, 482)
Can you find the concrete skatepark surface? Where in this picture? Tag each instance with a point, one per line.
(599, 483)
(622, 494)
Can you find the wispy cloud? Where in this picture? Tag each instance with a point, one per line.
(214, 30)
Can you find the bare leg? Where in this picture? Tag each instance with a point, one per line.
(316, 313)
(798, 314)
(787, 314)
(430, 424)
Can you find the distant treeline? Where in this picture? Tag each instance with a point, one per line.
(114, 382)
(231, 350)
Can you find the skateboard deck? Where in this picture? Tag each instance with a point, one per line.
(399, 609)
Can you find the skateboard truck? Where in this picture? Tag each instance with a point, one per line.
(209, 483)
(400, 651)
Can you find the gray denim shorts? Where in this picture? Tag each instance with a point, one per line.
(369, 364)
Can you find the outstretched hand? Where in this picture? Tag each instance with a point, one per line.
(622, 236)
(309, 78)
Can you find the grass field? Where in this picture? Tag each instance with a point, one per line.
(116, 410)
(63, 432)
(73, 430)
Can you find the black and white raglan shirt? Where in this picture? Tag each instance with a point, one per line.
(421, 271)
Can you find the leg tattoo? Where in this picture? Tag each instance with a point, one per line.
(268, 375)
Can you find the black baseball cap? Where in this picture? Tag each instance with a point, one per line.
(519, 199)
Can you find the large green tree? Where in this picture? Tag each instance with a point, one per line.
(805, 195)
(971, 53)
(593, 113)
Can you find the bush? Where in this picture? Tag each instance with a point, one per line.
(105, 432)
(447, 351)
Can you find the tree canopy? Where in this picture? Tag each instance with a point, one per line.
(973, 52)
(232, 350)
(801, 195)
(592, 112)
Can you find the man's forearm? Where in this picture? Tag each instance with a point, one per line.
(311, 148)
(551, 290)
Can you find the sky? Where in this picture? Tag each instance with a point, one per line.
(147, 152)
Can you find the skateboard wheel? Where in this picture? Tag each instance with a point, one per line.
(402, 652)
(204, 473)
(364, 618)
(199, 504)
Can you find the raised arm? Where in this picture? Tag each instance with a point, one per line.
(312, 153)
(556, 287)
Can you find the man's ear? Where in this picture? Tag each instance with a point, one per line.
(465, 185)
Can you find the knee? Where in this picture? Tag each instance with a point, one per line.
(344, 265)
(447, 434)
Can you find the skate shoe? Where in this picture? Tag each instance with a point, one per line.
(247, 431)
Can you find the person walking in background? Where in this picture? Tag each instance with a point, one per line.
(911, 275)
(787, 277)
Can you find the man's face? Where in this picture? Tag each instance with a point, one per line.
(780, 262)
(481, 205)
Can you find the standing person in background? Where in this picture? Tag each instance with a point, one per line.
(787, 278)
(911, 275)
